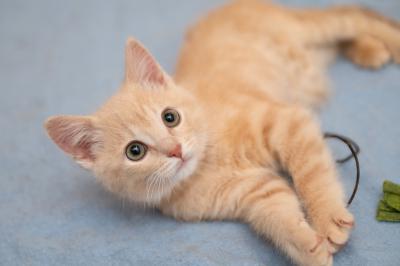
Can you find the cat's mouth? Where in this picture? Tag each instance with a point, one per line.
(183, 166)
(183, 162)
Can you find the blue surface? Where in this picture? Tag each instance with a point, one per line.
(66, 57)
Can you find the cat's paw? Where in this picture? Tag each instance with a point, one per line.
(321, 254)
(314, 249)
(335, 226)
(318, 254)
(368, 52)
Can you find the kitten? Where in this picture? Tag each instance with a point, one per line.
(208, 144)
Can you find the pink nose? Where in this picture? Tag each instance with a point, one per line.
(176, 152)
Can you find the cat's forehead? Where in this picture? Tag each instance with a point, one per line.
(131, 115)
(134, 104)
(138, 117)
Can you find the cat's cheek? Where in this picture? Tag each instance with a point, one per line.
(115, 176)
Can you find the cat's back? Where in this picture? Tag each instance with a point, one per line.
(222, 34)
(236, 54)
(223, 62)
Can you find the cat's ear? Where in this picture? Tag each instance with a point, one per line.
(75, 135)
(140, 66)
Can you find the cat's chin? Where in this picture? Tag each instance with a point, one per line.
(185, 169)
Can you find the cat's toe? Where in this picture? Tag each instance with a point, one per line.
(333, 248)
(337, 237)
(313, 248)
(343, 218)
(320, 240)
(320, 254)
(345, 223)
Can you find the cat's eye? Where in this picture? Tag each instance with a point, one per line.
(171, 117)
(135, 151)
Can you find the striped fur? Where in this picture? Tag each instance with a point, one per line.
(248, 76)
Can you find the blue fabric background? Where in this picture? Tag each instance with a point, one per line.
(66, 57)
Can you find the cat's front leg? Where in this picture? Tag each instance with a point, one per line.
(263, 200)
(272, 208)
(295, 138)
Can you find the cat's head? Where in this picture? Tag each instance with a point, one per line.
(146, 139)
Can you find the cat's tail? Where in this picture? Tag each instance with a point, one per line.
(367, 38)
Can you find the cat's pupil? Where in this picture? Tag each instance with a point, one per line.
(169, 117)
(135, 149)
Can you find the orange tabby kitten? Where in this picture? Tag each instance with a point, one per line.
(209, 143)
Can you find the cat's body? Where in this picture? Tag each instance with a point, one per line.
(246, 81)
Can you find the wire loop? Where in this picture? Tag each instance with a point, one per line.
(355, 150)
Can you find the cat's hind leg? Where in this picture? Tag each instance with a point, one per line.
(372, 38)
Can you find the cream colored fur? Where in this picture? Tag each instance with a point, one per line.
(247, 79)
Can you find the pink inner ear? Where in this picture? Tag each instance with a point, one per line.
(73, 137)
(155, 76)
(81, 150)
(149, 69)
(141, 66)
